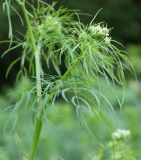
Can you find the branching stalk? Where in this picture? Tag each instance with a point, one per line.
(36, 51)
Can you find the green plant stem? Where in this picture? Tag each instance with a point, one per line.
(38, 125)
(76, 61)
(36, 51)
(36, 136)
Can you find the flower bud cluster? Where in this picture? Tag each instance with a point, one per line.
(100, 33)
(120, 133)
(50, 24)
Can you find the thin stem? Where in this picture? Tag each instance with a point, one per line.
(36, 136)
(71, 67)
(76, 61)
(36, 51)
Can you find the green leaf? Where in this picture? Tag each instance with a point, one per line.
(11, 66)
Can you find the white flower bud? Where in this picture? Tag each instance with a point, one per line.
(105, 31)
(107, 40)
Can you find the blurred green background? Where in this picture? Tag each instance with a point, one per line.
(64, 136)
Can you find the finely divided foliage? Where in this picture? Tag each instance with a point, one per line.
(53, 39)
